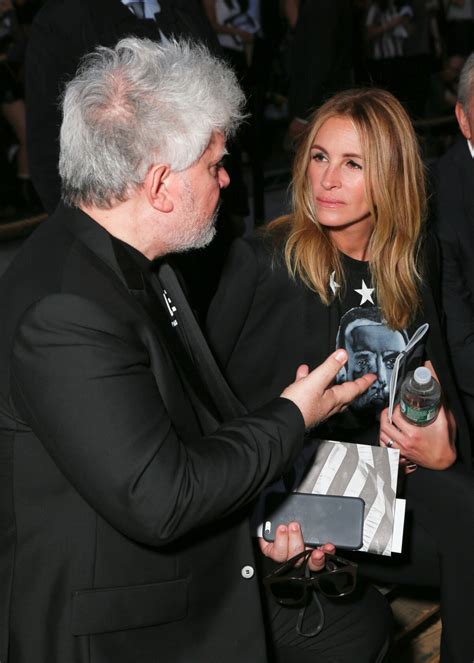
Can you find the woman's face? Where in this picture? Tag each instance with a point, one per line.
(336, 175)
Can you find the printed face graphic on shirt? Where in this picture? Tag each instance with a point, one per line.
(372, 348)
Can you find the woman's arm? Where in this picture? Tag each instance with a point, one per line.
(375, 29)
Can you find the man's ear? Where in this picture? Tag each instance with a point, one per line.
(463, 121)
(156, 190)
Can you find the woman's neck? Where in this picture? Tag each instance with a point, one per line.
(352, 241)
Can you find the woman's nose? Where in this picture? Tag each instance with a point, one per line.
(331, 178)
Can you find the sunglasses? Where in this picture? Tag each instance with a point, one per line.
(293, 584)
(290, 583)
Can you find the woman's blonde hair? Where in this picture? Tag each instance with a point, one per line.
(395, 190)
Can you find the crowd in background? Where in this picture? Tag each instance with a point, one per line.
(17, 194)
(290, 55)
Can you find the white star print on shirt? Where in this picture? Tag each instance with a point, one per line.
(365, 293)
(332, 283)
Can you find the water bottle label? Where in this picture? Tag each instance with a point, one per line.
(418, 416)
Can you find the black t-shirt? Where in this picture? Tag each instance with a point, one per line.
(372, 348)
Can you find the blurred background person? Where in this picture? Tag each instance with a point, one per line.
(21, 199)
(64, 31)
(460, 26)
(454, 224)
(321, 55)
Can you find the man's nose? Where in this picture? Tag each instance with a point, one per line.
(382, 371)
(224, 179)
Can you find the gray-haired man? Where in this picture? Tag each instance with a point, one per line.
(123, 506)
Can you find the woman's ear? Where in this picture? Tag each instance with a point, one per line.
(156, 188)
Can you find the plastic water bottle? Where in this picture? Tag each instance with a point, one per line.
(420, 397)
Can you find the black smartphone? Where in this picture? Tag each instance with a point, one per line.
(322, 518)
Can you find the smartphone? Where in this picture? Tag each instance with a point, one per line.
(322, 518)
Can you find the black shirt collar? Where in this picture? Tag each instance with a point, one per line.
(133, 264)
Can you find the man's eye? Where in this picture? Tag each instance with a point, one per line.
(216, 168)
(362, 363)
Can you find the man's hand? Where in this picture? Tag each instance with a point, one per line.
(289, 542)
(428, 446)
(315, 393)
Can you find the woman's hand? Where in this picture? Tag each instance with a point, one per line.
(429, 446)
(289, 542)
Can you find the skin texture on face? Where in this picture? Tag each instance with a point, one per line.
(372, 348)
(466, 119)
(199, 195)
(197, 230)
(172, 210)
(336, 176)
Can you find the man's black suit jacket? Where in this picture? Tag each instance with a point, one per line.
(124, 535)
(454, 224)
(62, 33)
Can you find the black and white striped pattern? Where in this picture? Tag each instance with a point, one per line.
(358, 470)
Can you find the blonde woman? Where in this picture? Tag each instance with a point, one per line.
(351, 266)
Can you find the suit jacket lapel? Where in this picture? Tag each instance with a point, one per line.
(202, 403)
(174, 383)
(227, 403)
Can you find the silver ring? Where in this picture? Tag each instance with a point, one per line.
(389, 444)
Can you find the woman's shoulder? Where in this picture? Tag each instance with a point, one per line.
(266, 244)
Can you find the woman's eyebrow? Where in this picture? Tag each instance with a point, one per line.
(350, 155)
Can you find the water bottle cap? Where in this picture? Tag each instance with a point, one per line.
(422, 375)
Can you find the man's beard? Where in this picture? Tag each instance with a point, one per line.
(197, 232)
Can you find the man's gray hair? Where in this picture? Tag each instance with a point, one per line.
(466, 83)
(137, 104)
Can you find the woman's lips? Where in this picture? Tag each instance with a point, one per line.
(327, 202)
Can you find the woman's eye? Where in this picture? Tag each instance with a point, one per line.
(354, 164)
(318, 156)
